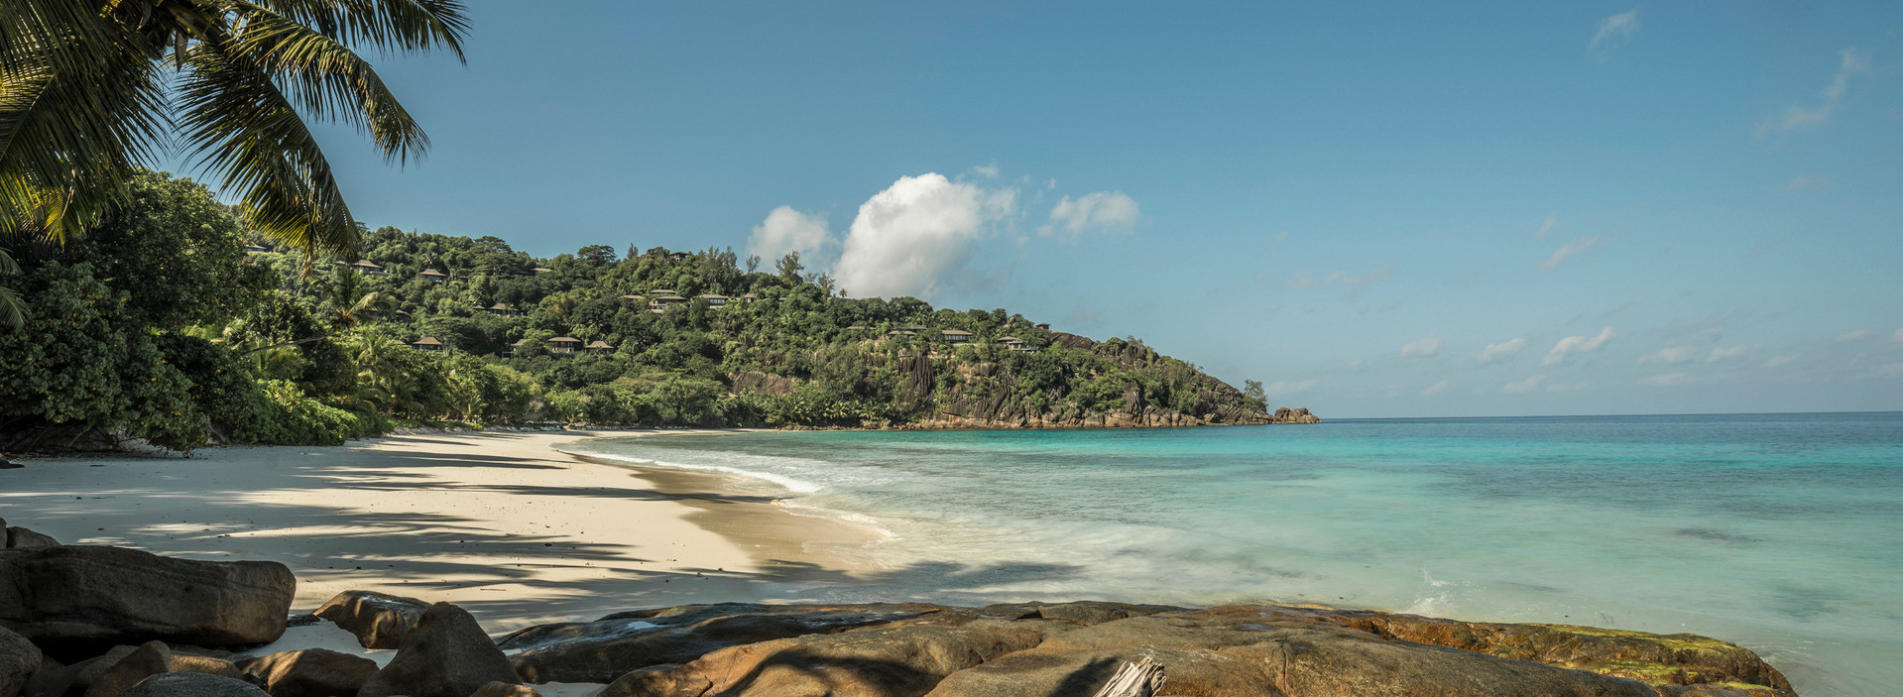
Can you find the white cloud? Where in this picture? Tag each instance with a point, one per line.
(1777, 361)
(1615, 31)
(1102, 210)
(1847, 337)
(1422, 348)
(787, 230)
(1719, 353)
(1500, 351)
(1569, 251)
(1434, 389)
(1576, 344)
(1670, 354)
(1796, 117)
(1665, 380)
(1341, 278)
(1523, 386)
(1806, 181)
(987, 171)
(1546, 227)
(909, 237)
(1281, 387)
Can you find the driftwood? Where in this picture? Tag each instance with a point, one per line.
(1140, 679)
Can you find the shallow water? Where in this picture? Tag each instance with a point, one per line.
(1782, 532)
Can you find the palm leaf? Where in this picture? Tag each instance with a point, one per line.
(326, 79)
(387, 25)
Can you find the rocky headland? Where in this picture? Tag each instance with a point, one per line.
(96, 621)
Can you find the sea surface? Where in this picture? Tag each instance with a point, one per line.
(1781, 532)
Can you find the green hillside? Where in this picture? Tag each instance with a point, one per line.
(171, 323)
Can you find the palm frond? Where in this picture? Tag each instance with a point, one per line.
(325, 78)
(387, 25)
(239, 124)
(12, 309)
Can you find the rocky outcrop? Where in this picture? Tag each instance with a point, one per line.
(149, 659)
(67, 597)
(505, 689)
(605, 649)
(19, 660)
(756, 382)
(193, 685)
(310, 673)
(22, 538)
(876, 661)
(1255, 650)
(379, 620)
(446, 655)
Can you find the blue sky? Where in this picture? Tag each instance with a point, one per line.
(1378, 210)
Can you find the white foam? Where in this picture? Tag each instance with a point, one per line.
(791, 484)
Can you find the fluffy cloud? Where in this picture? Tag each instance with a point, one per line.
(1615, 31)
(1281, 387)
(1103, 210)
(1777, 361)
(1569, 251)
(1500, 351)
(1670, 354)
(1421, 349)
(1720, 353)
(787, 230)
(1665, 380)
(1434, 389)
(1847, 337)
(1576, 344)
(1850, 64)
(1523, 386)
(909, 237)
(1341, 278)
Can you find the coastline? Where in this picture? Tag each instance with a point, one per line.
(500, 523)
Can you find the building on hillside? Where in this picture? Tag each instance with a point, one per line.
(955, 336)
(511, 349)
(713, 299)
(660, 303)
(563, 345)
(255, 248)
(1012, 343)
(539, 270)
(428, 343)
(677, 256)
(370, 268)
(635, 300)
(598, 346)
(502, 310)
(901, 334)
(433, 276)
(749, 298)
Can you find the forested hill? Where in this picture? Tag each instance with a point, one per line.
(170, 322)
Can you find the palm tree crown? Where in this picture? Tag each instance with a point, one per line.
(91, 89)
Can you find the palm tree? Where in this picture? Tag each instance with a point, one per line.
(91, 89)
(12, 308)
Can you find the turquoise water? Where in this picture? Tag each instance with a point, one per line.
(1781, 532)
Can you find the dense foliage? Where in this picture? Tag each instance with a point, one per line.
(158, 324)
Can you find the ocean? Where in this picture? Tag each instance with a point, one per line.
(1780, 532)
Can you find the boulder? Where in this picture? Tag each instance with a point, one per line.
(193, 685)
(1083, 612)
(379, 620)
(605, 649)
(149, 659)
(888, 661)
(22, 538)
(70, 598)
(505, 689)
(19, 660)
(446, 655)
(310, 673)
(51, 680)
(1268, 651)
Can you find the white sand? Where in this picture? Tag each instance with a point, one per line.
(495, 522)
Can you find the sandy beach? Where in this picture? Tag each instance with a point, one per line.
(499, 523)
